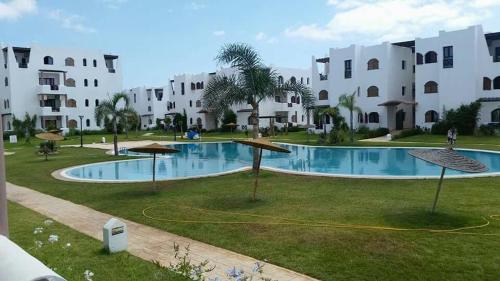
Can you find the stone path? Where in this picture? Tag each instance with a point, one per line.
(145, 242)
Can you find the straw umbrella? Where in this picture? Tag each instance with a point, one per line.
(448, 159)
(48, 137)
(231, 126)
(154, 149)
(261, 144)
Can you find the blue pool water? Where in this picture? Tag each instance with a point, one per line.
(204, 159)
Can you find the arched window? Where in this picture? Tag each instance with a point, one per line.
(297, 100)
(48, 60)
(431, 57)
(301, 80)
(323, 95)
(85, 82)
(372, 91)
(198, 103)
(193, 86)
(431, 116)
(96, 83)
(87, 122)
(72, 123)
(360, 117)
(6, 82)
(373, 117)
(191, 121)
(496, 83)
(292, 100)
(70, 82)
(373, 64)
(71, 103)
(198, 85)
(94, 62)
(96, 102)
(198, 122)
(293, 80)
(486, 83)
(190, 103)
(84, 62)
(86, 103)
(495, 115)
(280, 79)
(420, 58)
(201, 85)
(431, 87)
(69, 62)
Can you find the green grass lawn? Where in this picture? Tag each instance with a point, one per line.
(83, 253)
(325, 253)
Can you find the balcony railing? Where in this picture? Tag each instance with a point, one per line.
(323, 77)
(111, 70)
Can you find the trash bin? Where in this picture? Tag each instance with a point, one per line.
(115, 236)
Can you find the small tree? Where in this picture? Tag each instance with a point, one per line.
(349, 102)
(228, 117)
(25, 127)
(167, 121)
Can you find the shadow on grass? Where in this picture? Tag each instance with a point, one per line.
(234, 202)
(425, 219)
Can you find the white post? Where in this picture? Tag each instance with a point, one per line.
(4, 225)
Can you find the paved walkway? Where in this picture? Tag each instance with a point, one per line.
(145, 242)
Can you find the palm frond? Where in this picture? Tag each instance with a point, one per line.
(116, 98)
(222, 92)
(301, 90)
(239, 55)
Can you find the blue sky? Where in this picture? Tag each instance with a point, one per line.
(156, 39)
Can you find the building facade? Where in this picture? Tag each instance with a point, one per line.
(406, 84)
(58, 85)
(150, 103)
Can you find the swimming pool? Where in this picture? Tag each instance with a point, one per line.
(209, 159)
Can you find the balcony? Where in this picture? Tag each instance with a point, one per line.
(323, 77)
(50, 89)
(50, 111)
(111, 70)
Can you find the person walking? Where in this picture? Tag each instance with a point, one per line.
(450, 136)
(454, 135)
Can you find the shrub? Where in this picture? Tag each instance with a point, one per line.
(488, 130)
(295, 129)
(409, 133)
(379, 132)
(363, 130)
(464, 119)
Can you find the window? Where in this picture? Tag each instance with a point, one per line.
(86, 103)
(150, 121)
(84, 62)
(403, 90)
(292, 100)
(497, 55)
(496, 83)
(198, 85)
(297, 100)
(149, 108)
(48, 60)
(174, 104)
(71, 103)
(307, 80)
(87, 122)
(191, 121)
(360, 117)
(431, 57)
(280, 80)
(96, 83)
(431, 116)
(202, 85)
(420, 58)
(495, 116)
(430, 87)
(198, 121)
(190, 103)
(486, 83)
(293, 80)
(193, 86)
(85, 82)
(373, 64)
(347, 69)
(94, 62)
(372, 91)
(70, 82)
(135, 98)
(373, 117)
(69, 62)
(323, 95)
(448, 57)
(403, 64)
(6, 82)
(182, 88)
(96, 102)
(198, 103)
(301, 80)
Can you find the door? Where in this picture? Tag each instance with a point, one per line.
(400, 118)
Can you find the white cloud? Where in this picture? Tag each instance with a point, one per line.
(219, 33)
(114, 4)
(196, 6)
(387, 20)
(14, 9)
(70, 21)
(261, 36)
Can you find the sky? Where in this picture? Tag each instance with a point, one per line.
(156, 39)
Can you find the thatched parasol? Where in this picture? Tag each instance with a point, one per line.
(55, 131)
(261, 144)
(154, 149)
(49, 137)
(231, 126)
(448, 158)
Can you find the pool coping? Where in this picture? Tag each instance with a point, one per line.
(61, 174)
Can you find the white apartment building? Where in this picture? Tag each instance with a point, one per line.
(406, 84)
(150, 103)
(187, 93)
(58, 85)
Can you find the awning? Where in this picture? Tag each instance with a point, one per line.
(396, 102)
(489, 99)
(244, 110)
(323, 60)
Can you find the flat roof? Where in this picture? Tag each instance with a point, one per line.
(323, 60)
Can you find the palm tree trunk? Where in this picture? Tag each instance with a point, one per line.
(115, 137)
(255, 135)
(352, 129)
(126, 128)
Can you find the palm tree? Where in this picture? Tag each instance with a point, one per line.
(349, 102)
(323, 112)
(252, 83)
(116, 108)
(26, 126)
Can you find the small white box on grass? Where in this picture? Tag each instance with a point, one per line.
(13, 139)
(115, 236)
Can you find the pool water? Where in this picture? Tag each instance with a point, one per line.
(205, 159)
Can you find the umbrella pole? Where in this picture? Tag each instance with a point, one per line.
(438, 190)
(154, 170)
(256, 183)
